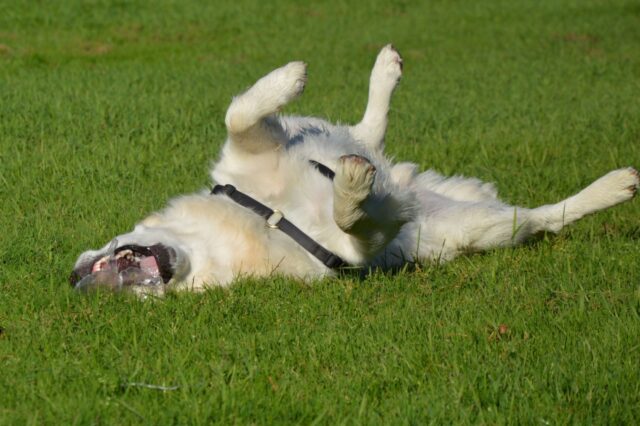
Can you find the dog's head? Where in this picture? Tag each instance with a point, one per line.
(117, 267)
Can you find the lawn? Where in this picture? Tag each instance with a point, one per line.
(109, 108)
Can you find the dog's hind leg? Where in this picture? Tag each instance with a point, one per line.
(478, 226)
(613, 188)
(372, 218)
(250, 119)
(385, 75)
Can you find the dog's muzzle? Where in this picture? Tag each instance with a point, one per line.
(128, 265)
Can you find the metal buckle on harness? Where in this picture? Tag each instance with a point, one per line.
(274, 219)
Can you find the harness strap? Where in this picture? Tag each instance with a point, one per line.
(275, 219)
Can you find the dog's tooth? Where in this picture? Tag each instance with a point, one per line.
(99, 265)
(124, 253)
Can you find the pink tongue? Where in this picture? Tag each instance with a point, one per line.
(149, 265)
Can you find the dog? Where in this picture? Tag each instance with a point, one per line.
(301, 197)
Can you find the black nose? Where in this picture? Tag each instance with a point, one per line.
(81, 271)
(74, 277)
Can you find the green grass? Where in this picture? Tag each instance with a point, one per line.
(109, 108)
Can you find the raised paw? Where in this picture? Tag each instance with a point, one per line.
(388, 67)
(267, 96)
(289, 81)
(354, 176)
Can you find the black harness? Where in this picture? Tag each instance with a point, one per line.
(276, 220)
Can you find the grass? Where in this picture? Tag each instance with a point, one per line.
(109, 108)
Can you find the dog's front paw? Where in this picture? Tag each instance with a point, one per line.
(355, 176)
(388, 67)
(289, 81)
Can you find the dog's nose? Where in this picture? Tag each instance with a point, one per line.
(79, 273)
(82, 270)
(74, 278)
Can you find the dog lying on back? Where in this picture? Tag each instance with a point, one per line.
(301, 197)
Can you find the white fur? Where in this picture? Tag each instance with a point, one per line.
(374, 213)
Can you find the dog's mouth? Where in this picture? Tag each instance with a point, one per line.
(126, 266)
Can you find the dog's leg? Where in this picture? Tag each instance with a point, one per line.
(468, 226)
(384, 77)
(250, 121)
(373, 219)
(613, 188)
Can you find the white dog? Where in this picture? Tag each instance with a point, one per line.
(302, 197)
